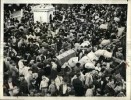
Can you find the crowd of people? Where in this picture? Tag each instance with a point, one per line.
(96, 33)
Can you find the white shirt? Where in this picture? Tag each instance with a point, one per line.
(72, 61)
(83, 60)
(92, 56)
(10, 85)
(54, 65)
(44, 83)
(82, 77)
(28, 77)
(77, 46)
(107, 54)
(116, 19)
(89, 92)
(105, 42)
(21, 66)
(104, 53)
(89, 65)
(120, 31)
(98, 68)
(58, 81)
(86, 43)
(25, 70)
(64, 88)
(99, 52)
(88, 79)
(19, 43)
(74, 77)
(103, 26)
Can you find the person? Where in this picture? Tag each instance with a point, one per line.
(28, 77)
(44, 85)
(89, 91)
(88, 79)
(58, 81)
(63, 91)
(13, 70)
(52, 88)
(76, 68)
(16, 91)
(47, 69)
(67, 72)
(53, 74)
(109, 88)
(118, 88)
(21, 65)
(6, 64)
(10, 86)
(34, 87)
(23, 86)
(78, 86)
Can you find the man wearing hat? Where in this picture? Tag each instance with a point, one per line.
(44, 85)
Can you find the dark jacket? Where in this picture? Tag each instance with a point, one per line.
(78, 87)
(24, 87)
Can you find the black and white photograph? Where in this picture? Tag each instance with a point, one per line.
(64, 50)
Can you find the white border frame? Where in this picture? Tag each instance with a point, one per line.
(128, 46)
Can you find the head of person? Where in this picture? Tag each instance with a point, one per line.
(21, 77)
(52, 82)
(10, 79)
(43, 77)
(65, 80)
(59, 74)
(78, 64)
(78, 74)
(30, 71)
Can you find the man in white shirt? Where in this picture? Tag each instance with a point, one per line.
(44, 85)
(58, 81)
(21, 66)
(64, 89)
(28, 76)
(88, 79)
